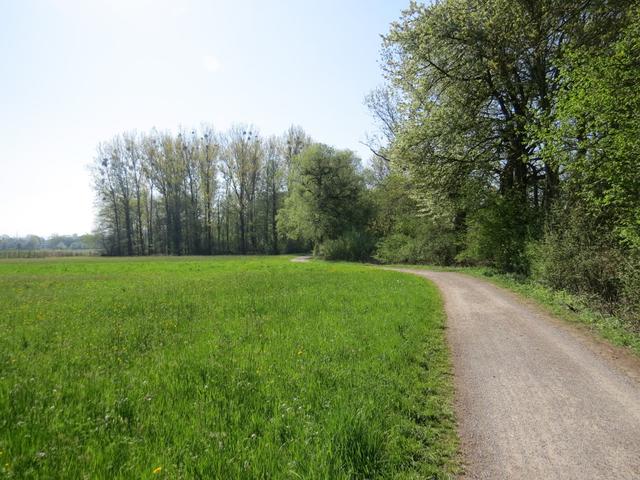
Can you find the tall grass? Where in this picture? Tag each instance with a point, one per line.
(221, 368)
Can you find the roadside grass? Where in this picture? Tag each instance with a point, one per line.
(560, 303)
(221, 368)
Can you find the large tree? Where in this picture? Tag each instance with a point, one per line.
(242, 162)
(325, 195)
(474, 78)
(594, 134)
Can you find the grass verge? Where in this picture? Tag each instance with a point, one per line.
(221, 368)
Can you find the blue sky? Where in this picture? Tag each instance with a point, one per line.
(75, 72)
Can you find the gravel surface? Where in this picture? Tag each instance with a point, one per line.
(537, 397)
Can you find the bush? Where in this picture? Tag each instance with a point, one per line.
(566, 261)
(578, 256)
(355, 246)
(395, 248)
(497, 236)
(630, 294)
(401, 248)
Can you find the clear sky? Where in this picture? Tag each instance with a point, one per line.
(76, 72)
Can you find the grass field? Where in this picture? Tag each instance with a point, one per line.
(221, 368)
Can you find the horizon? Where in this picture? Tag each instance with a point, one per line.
(76, 80)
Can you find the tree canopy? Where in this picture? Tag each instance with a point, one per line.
(325, 196)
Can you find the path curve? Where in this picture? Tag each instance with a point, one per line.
(536, 397)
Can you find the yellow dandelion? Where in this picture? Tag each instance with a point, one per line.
(157, 470)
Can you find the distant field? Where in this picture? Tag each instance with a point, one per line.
(220, 368)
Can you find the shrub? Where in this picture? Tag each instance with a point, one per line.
(395, 248)
(630, 294)
(497, 235)
(431, 249)
(355, 246)
(567, 262)
(578, 256)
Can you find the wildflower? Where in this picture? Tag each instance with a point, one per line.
(157, 470)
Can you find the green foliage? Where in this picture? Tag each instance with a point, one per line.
(514, 127)
(326, 197)
(353, 245)
(579, 257)
(472, 76)
(583, 257)
(498, 235)
(221, 368)
(595, 132)
(434, 247)
(398, 248)
(592, 242)
(629, 306)
(474, 83)
(405, 236)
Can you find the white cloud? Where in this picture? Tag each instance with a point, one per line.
(211, 63)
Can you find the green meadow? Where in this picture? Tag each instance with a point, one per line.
(224, 368)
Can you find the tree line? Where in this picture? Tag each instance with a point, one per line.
(53, 242)
(515, 127)
(193, 193)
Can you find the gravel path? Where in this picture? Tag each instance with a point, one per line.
(536, 397)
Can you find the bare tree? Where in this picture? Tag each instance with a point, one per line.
(182, 194)
(241, 163)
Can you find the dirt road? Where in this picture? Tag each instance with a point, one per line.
(537, 398)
